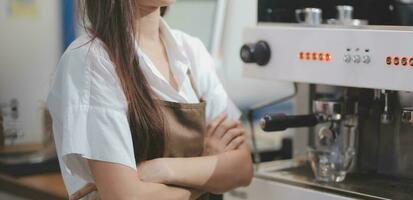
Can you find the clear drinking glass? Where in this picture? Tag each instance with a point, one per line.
(330, 166)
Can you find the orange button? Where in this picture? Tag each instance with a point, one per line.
(302, 55)
(404, 61)
(396, 60)
(321, 56)
(389, 60)
(315, 56)
(328, 57)
(308, 55)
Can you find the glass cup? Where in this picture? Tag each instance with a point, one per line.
(330, 166)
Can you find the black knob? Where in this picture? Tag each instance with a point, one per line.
(280, 122)
(259, 53)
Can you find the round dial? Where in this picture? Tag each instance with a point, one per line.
(259, 53)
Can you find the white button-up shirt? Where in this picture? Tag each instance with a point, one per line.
(89, 108)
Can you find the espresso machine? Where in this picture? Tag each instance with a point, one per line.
(353, 105)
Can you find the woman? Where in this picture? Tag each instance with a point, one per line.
(139, 113)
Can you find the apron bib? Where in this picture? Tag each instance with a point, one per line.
(187, 126)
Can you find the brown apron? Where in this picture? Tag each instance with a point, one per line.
(187, 126)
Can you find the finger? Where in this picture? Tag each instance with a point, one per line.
(231, 135)
(237, 142)
(87, 189)
(223, 128)
(215, 123)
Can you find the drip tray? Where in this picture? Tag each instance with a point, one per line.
(356, 185)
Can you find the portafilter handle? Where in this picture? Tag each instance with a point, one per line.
(280, 122)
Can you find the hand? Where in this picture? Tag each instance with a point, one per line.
(222, 136)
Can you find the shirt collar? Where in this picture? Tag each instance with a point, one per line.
(174, 46)
(177, 57)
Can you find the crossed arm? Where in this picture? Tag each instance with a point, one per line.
(214, 174)
(115, 181)
(225, 166)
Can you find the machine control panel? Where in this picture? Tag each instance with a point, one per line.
(365, 57)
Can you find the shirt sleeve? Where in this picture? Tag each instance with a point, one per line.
(89, 113)
(209, 85)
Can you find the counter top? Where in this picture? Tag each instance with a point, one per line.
(37, 187)
(357, 185)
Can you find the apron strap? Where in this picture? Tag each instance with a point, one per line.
(191, 78)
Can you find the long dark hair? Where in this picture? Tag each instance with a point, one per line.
(113, 22)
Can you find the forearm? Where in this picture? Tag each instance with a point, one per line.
(165, 192)
(188, 172)
(234, 169)
(152, 191)
(115, 181)
(137, 190)
(215, 174)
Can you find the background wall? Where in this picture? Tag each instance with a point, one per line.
(30, 47)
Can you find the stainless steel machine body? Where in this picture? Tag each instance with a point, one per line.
(367, 68)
